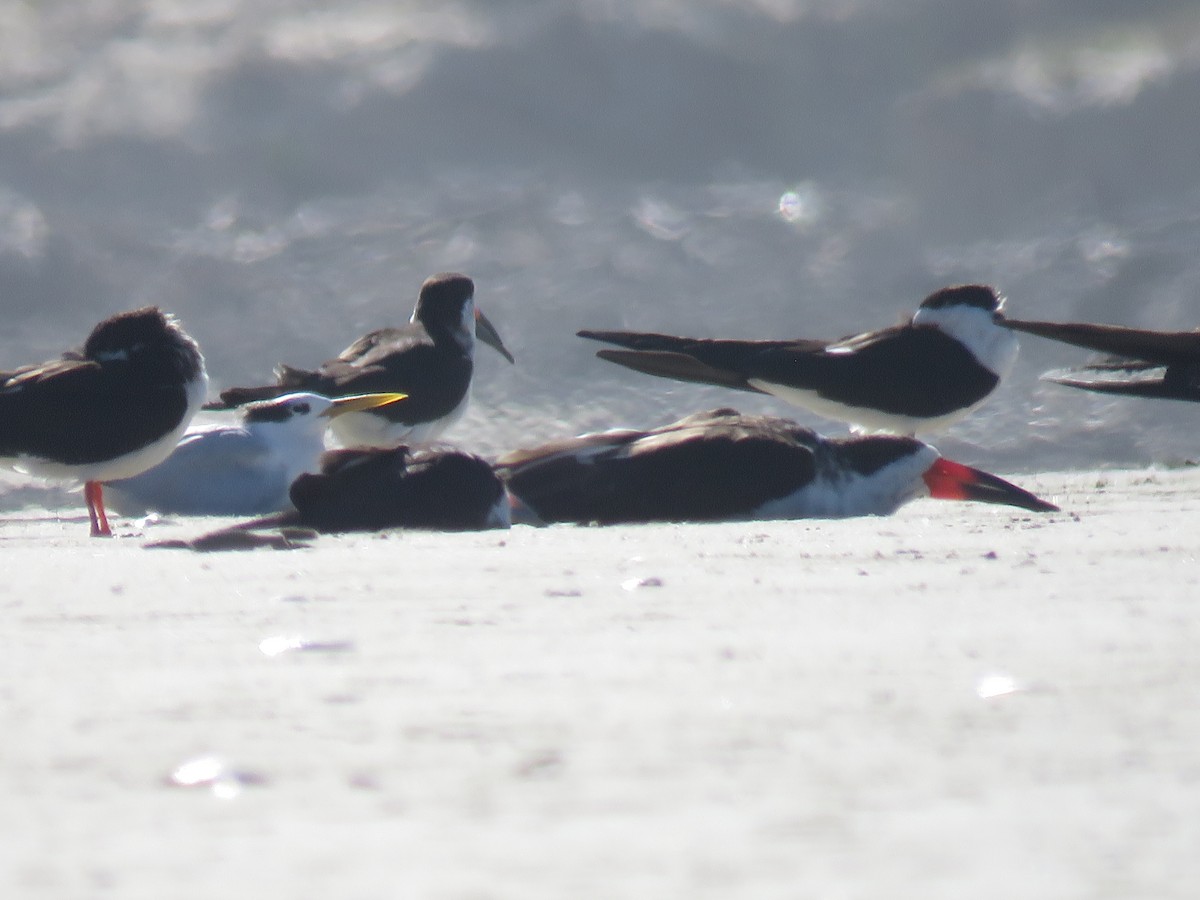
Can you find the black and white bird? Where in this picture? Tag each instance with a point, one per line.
(434, 488)
(923, 375)
(111, 410)
(721, 465)
(361, 489)
(1160, 364)
(242, 469)
(431, 360)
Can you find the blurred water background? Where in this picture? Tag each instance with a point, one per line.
(283, 174)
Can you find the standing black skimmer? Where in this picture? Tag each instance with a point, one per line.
(112, 410)
(243, 469)
(373, 490)
(431, 360)
(721, 465)
(923, 375)
(1160, 364)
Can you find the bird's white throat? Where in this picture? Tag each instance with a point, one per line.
(993, 345)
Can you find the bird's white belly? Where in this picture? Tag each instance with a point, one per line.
(106, 470)
(125, 466)
(369, 429)
(864, 418)
(839, 499)
(837, 493)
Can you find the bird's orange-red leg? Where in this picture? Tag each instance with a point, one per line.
(93, 493)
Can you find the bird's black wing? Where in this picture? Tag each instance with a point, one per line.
(726, 363)
(400, 360)
(434, 380)
(232, 398)
(11, 383)
(76, 411)
(371, 347)
(1133, 378)
(369, 490)
(1162, 365)
(1162, 347)
(706, 468)
(907, 370)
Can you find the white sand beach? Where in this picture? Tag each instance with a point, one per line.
(956, 701)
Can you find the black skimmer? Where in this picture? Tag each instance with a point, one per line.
(367, 489)
(1160, 364)
(423, 487)
(923, 375)
(721, 465)
(111, 410)
(243, 469)
(431, 360)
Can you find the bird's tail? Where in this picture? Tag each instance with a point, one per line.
(235, 397)
(287, 380)
(293, 379)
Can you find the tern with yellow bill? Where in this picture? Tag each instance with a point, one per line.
(243, 469)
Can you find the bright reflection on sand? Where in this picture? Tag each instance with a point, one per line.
(273, 646)
(210, 772)
(995, 686)
(288, 643)
(633, 584)
(197, 771)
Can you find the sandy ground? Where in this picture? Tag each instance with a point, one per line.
(954, 702)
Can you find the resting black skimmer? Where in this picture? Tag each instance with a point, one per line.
(1160, 364)
(721, 465)
(424, 487)
(431, 360)
(111, 410)
(364, 489)
(243, 469)
(923, 375)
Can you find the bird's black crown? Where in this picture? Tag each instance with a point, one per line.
(146, 338)
(978, 295)
(126, 331)
(446, 293)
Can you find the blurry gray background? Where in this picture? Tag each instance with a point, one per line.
(283, 174)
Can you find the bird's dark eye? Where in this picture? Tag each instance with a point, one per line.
(301, 409)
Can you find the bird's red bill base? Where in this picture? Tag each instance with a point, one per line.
(949, 480)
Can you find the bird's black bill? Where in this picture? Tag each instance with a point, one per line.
(486, 332)
(949, 480)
